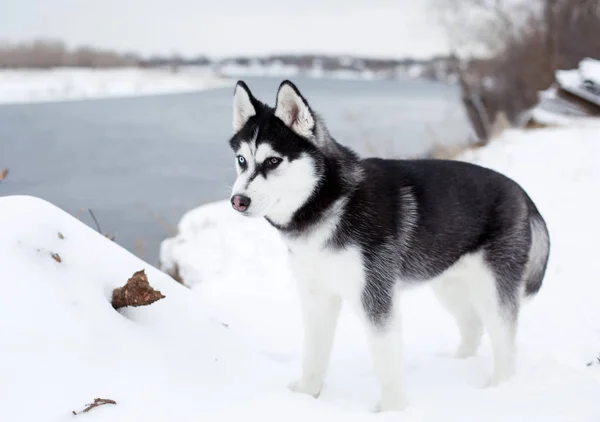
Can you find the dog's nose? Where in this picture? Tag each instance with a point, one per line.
(240, 202)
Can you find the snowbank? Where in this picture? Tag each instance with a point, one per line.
(574, 97)
(589, 70)
(583, 82)
(238, 266)
(62, 344)
(25, 86)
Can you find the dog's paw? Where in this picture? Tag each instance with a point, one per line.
(444, 355)
(496, 380)
(303, 387)
(464, 353)
(396, 404)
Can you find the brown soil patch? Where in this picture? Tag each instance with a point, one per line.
(136, 292)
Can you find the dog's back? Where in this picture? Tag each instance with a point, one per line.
(422, 216)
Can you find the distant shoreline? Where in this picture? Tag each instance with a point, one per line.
(32, 86)
(59, 84)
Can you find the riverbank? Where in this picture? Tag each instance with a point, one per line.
(69, 84)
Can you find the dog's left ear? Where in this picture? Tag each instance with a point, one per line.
(294, 110)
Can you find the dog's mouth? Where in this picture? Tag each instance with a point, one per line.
(248, 213)
(257, 209)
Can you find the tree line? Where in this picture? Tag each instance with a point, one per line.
(47, 53)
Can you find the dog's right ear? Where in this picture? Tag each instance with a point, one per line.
(244, 105)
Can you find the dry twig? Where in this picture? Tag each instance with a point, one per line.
(97, 402)
(107, 235)
(174, 273)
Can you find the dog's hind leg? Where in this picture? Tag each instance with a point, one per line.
(496, 298)
(320, 313)
(501, 325)
(454, 295)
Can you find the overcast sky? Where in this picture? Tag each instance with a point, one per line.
(377, 28)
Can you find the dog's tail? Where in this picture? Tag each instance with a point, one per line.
(539, 251)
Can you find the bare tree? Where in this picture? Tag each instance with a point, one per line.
(511, 49)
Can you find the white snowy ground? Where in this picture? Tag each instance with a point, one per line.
(62, 344)
(62, 84)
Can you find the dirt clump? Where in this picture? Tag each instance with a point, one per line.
(136, 292)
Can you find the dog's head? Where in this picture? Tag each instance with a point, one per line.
(277, 155)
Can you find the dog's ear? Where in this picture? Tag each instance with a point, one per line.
(294, 110)
(244, 105)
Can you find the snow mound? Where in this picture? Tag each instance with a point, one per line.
(238, 265)
(62, 344)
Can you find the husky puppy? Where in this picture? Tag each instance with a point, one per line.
(363, 230)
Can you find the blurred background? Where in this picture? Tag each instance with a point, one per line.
(119, 112)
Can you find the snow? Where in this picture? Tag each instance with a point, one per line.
(573, 80)
(548, 117)
(226, 347)
(237, 264)
(19, 86)
(255, 68)
(568, 78)
(590, 69)
(556, 110)
(279, 69)
(63, 84)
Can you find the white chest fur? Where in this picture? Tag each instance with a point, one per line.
(319, 267)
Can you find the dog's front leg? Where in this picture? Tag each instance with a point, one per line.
(320, 313)
(385, 342)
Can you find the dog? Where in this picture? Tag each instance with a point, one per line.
(362, 231)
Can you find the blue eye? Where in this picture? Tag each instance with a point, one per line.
(241, 160)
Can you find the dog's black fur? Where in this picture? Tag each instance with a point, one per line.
(413, 219)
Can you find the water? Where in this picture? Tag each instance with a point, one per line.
(140, 163)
